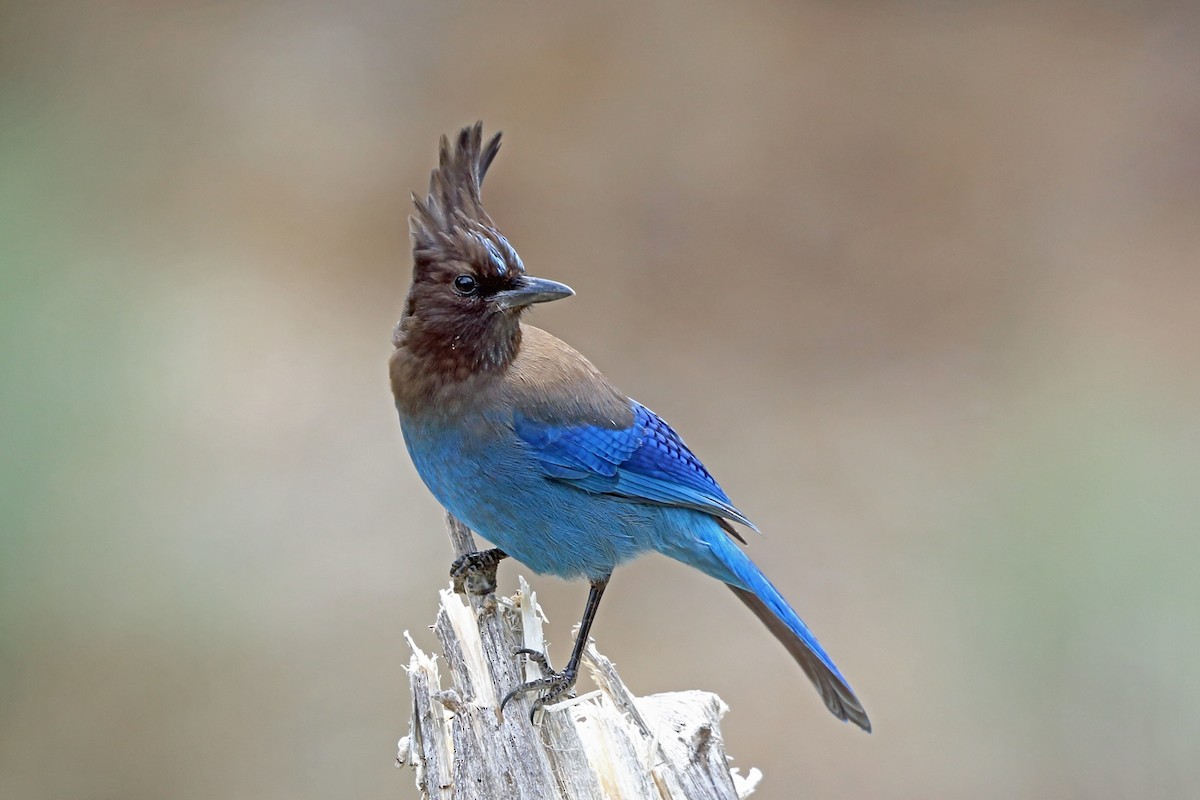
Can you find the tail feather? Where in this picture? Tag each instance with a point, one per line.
(704, 542)
(791, 631)
(734, 567)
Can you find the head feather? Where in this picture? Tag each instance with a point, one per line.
(451, 220)
(451, 334)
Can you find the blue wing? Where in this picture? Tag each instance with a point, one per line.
(646, 461)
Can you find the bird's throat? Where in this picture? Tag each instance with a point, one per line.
(432, 361)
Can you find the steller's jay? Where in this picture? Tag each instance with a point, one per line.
(524, 441)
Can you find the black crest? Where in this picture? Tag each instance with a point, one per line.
(451, 223)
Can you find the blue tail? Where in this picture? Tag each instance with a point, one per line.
(753, 589)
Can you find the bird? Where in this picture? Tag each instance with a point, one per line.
(521, 438)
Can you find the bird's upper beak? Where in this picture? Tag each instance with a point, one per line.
(531, 290)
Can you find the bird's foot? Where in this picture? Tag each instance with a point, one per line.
(475, 573)
(552, 686)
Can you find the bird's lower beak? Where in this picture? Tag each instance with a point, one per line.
(532, 290)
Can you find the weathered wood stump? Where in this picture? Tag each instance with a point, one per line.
(603, 744)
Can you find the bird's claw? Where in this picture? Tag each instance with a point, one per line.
(475, 573)
(552, 685)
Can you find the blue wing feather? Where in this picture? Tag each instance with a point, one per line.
(646, 461)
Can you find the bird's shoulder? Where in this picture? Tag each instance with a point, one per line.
(552, 383)
(585, 432)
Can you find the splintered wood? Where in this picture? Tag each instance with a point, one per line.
(603, 744)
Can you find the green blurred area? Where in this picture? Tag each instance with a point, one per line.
(918, 282)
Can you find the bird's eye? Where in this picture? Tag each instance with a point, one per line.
(465, 285)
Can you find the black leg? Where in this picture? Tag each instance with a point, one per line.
(475, 573)
(554, 685)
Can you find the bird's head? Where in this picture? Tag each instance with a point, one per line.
(469, 286)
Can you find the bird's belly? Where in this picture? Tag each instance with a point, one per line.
(497, 488)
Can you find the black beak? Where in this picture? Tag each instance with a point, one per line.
(531, 290)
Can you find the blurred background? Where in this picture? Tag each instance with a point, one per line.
(918, 281)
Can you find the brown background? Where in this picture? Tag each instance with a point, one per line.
(919, 282)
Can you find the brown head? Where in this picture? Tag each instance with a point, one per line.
(469, 286)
